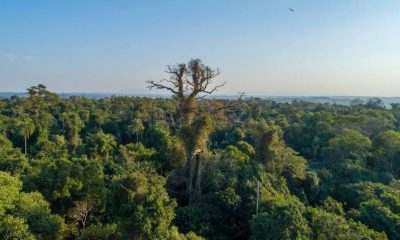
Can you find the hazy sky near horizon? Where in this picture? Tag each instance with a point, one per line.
(341, 47)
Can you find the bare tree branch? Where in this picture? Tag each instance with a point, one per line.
(214, 89)
(188, 82)
(158, 85)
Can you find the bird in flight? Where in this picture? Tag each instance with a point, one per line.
(291, 9)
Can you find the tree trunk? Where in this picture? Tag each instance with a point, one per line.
(189, 183)
(84, 222)
(391, 165)
(194, 177)
(197, 182)
(137, 137)
(26, 144)
(189, 107)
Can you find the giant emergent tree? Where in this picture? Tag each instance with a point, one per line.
(188, 83)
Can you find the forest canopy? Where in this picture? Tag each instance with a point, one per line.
(190, 167)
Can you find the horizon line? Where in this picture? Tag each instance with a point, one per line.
(215, 95)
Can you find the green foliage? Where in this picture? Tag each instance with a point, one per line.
(332, 206)
(283, 220)
(246, 148)
(350, 145)
(181, 168)
(9, 191)
(232, 152)
(101, 145)
(100, 232)
(142, 205)
(326, 225)
(380, 218)
(274, 155)
(11, 159)
(74, 124)
(356, 193)
(34, 208)
(135, 127)
(196, 134)
(57, 179)
(14, 228)
(25, 128)
(223, 137)
(136, 153)
(24, 215)
(387, 152)
(193, 218)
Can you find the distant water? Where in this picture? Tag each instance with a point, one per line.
(343, 100)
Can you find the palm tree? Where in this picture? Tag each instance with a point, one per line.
(101, 144)
(25, 130)
(74, 124)
(107, 144)
(136, 126)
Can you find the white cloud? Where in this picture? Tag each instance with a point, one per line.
(8, 56)
(14, 57)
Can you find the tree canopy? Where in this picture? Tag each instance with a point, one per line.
(191, 167)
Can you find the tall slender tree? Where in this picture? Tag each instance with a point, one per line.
(25, 130)
(136, 127)
(74, 124)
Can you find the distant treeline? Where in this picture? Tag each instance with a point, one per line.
(343, 100)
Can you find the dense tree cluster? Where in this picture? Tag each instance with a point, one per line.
(140, 168)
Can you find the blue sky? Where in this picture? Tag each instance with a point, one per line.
(341, 47)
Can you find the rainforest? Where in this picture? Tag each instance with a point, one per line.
(192, 167)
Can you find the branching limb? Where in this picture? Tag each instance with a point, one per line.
(214, 89)
(159, 85)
